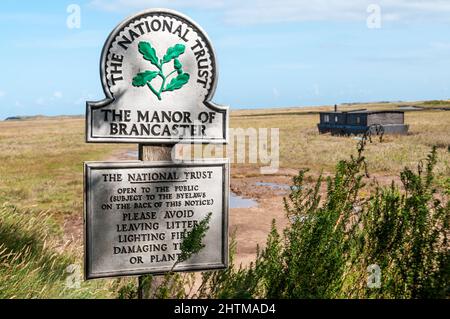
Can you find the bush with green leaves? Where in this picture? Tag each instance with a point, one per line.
(335, 238)
(405, 232)
(171, 285)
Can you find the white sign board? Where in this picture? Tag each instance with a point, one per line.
(136, 214)
(158, 71)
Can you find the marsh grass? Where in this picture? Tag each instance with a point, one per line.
(30, 266)
(41, 184)
(41, 163)
(301, 147)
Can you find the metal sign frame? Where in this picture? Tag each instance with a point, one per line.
(88, 214)
(109, 98)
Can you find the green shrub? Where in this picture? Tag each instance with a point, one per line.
(171, 285)
(333, 241)
(406, 233)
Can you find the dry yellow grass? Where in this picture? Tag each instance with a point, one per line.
(41, 159)
(302, 147)
(41, 162)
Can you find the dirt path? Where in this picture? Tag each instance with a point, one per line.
(252, 225)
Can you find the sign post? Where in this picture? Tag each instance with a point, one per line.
(152, 153)
(159, 73)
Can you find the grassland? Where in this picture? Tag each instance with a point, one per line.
(41, 182)
(41, 163)
(40, 185)
(302, 147)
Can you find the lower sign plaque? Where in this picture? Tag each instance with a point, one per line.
(137, 213)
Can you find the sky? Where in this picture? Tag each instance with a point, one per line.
(270, 53)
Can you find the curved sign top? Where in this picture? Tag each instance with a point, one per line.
(159, 73)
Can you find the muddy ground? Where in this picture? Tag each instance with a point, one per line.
(249, 225)
(252, 225)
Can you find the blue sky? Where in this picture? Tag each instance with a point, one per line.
(270, 53)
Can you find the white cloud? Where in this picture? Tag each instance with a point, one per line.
(57, 94)
(262, 12)
(30, 18)
(316, 89)
(80, 101)
(76, 40)
(290, 66)
(83, 98)
(440, 45)
(238, 12)
(258, 41)
(258, 12)
(120, 5)
(276, 93)
(40, 101)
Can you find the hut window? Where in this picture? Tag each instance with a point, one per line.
(326, 118)
(336, 119)
(358, 120)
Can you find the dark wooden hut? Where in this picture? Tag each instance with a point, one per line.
(359, 121)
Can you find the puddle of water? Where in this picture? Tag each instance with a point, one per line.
(240, 202)
(235, 200)
(410, 108)
(274, 185)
